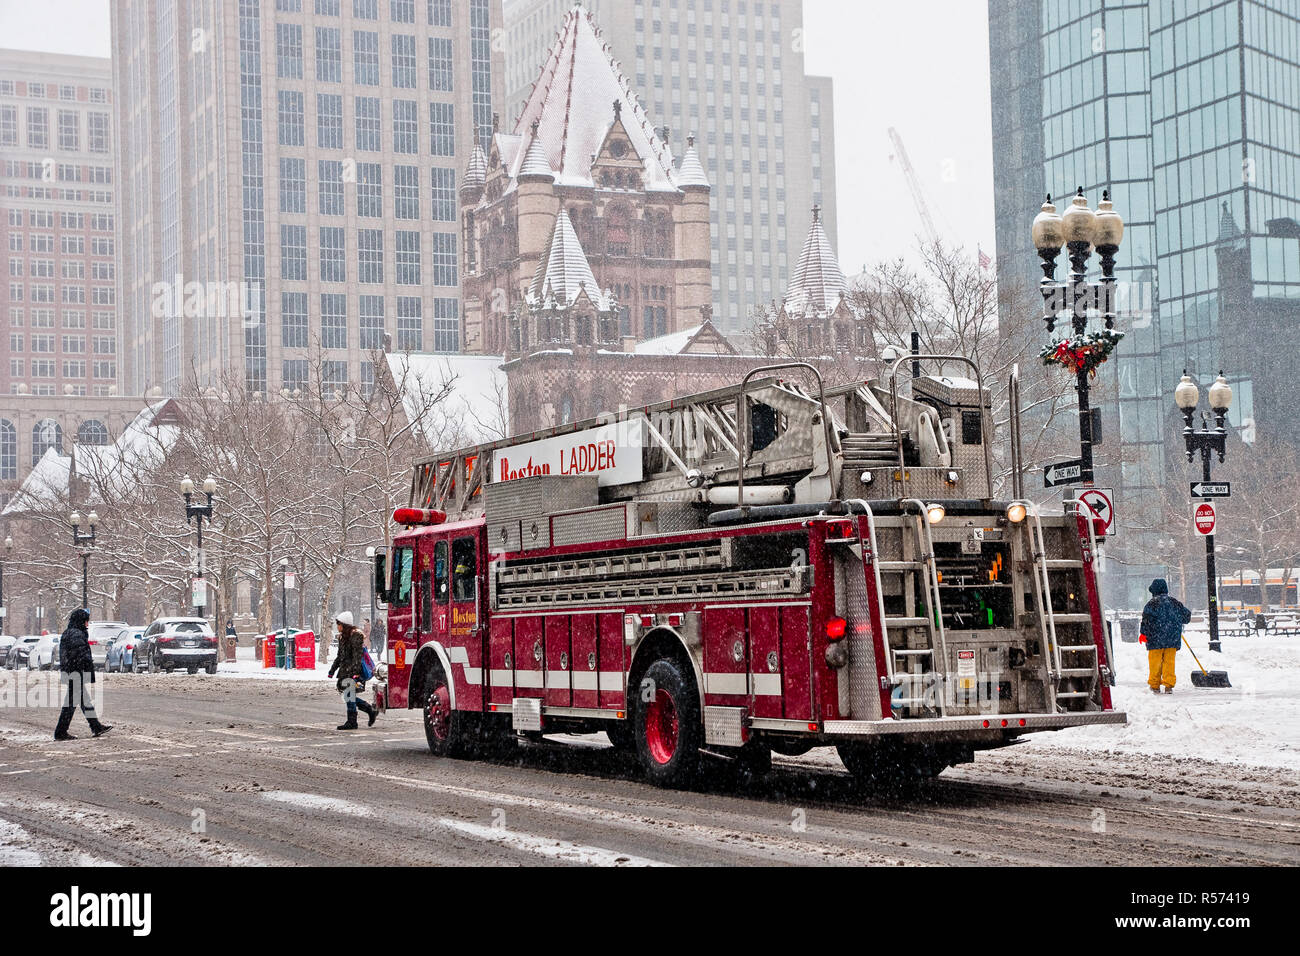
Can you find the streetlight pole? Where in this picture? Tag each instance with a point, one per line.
(370, 573)
(197, 513)
(4, 612)
(85, 541)
(284, 611)
(1207, 442)
(1081, 231)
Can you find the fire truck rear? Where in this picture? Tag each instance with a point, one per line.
(764, 567)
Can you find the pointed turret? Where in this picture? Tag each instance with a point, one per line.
(563, 272)
(691, 175)
(818, 284)
(476, 171)
(535, 165)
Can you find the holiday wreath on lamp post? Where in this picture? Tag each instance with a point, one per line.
(1082, 353)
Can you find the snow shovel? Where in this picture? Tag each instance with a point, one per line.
(1206, 678)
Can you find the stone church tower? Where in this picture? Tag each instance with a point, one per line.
(583, 149)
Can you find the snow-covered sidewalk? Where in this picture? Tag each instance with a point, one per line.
(1256, 721)
(245, 665)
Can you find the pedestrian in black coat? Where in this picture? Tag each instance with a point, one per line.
(77, 663)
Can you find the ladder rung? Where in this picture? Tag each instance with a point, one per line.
(1063, 562)
(1061, 695)
(1078, 648)
(1076, 672)
(1072, 618)
(912, 652)
(901, 622)
(895, 567)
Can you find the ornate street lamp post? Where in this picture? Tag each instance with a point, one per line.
(4, 613)
(197, 513)
(85, 541)
(1207, 441)
(1080, 230)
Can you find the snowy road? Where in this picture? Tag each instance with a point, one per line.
(215, 771)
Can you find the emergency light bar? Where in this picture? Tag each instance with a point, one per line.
(410, 516)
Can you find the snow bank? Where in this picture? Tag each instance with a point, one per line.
(1256, 721)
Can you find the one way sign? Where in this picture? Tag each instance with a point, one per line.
(1211, 489)
(1064, 472)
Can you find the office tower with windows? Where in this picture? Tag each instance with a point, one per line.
(58, 310)
(731, 72)
(1186, 113)
(290, 168)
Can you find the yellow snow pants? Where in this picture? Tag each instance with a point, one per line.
(1161, 667)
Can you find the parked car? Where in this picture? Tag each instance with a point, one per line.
(45, 653)
(120, 655)
(6, 641)
(16, 659)
(101, 632)
(174, 642)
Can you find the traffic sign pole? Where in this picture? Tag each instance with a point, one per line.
(1211, 583)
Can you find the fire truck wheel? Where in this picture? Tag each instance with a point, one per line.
(444, 728)
(667, 727)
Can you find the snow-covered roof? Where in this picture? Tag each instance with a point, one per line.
(572, 103)
(143, 444)
(479, 399)
(563, 273)
(670, 344)
(818, 283)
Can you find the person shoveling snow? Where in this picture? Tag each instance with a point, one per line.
(1162, 629)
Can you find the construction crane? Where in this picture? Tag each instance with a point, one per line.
(900, 153)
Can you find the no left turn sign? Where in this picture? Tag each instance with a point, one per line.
(1204, 518)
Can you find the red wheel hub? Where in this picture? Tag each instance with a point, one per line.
(439, 711)
(661, 726)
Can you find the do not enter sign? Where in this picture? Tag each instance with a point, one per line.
(1204, 518)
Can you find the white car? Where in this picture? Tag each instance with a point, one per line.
(6, 641)
(44, 655)
(101, 632)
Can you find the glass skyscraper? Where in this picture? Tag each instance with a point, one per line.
(1185, 110)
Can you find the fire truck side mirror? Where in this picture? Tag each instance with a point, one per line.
(381, 576)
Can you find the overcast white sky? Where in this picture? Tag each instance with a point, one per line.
(921, 66)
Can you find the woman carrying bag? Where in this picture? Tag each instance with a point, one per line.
(351, 665)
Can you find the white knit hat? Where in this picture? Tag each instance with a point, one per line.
(344, 617)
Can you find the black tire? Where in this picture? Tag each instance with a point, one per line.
(885, 764)
(170, 668)
(450, 733)
(212, 668)
(192, 669)
(668, 728)
(620, 734)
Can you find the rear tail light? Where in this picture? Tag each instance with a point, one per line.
(839, 530)
(164, 640)
(836, 627)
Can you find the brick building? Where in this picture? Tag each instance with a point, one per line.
(585, 149)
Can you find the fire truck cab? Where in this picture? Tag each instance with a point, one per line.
(758, 568)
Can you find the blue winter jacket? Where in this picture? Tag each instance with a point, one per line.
(1163, 619)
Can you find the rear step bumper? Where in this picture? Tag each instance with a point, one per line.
(973, 729)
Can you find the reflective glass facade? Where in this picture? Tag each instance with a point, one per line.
(1185, 110)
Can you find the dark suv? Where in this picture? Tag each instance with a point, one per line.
(172, 642)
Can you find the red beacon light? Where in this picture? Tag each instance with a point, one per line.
(411, 516)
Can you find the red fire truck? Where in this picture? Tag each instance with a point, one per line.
(764, 567)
